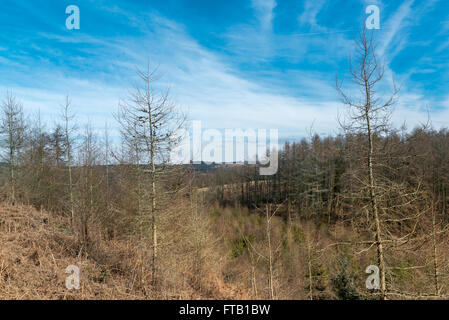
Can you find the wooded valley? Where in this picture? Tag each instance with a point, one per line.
(144, 228)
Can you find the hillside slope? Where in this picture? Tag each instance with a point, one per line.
(37, 247)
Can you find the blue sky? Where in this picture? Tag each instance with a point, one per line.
(231, 64)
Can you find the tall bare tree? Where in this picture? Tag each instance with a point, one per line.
(150, 120)
(369, 116)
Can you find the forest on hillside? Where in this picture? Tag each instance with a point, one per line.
(373, 195)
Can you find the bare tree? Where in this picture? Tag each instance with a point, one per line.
(270, 252)
(12, 131)
(35, 184)
(67, 118)
(150, 120)
(89, 156)
(106, 162)
(369, 116)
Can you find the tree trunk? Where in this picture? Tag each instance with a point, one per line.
(373, 199)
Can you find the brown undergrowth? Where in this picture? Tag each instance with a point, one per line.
(36, 248)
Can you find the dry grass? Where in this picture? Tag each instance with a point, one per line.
(37, 247)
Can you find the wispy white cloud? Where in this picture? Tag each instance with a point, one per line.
(254, 40)
(264, 11)
(393, 27)
(309, 15)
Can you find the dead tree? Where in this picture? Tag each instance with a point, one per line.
(269, 252)
(151, 120)
(12, 131)
(369, 116)
(67, 118)
(89, 155)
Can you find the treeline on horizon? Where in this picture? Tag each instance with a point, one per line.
(315, 177)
